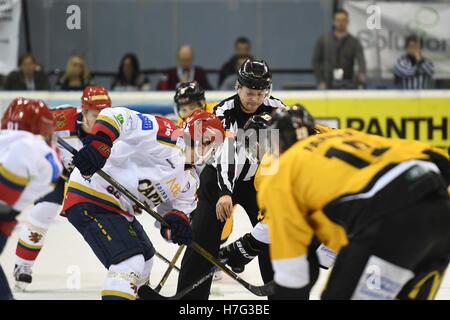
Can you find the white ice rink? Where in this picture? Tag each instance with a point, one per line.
(65, 256)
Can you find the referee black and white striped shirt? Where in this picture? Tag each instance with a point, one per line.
(413, 74)
(232, 164)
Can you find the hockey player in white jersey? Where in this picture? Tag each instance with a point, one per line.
(29, 164)
(72, 125)
(146, 154)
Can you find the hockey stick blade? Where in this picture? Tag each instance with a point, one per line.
(147, 293)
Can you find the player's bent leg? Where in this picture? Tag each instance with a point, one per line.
(378, 262)
(346, 273)
(429, 272)
(31, 240)
(206, 230)
(32, 235)
(427, 280)
(5, 291)
(148, 252)
(118, 243)
(123, 278)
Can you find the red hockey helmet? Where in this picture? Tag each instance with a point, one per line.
(95, 98)
(204, 126)
(29, 115)
(205, 133)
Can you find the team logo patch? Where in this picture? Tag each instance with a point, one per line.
(35, 237)
(186, 188)
(60, 119)
(147, 124)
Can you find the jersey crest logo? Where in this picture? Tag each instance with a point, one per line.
(60, 119)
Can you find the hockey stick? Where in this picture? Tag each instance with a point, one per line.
(169, 269)
(147, 293)
(159, 255)
(264, 290)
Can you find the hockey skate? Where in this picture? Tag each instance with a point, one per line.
(22, 277)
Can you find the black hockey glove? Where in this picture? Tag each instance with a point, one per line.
(241, 252)
(180, 231)
(92, 157)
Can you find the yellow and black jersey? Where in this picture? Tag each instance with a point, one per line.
(318, 173)
(269, 165)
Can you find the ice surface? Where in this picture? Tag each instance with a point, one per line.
(66, 255)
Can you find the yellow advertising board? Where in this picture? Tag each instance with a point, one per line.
(424, 119)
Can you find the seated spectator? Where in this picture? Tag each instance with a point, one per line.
(242, 48)
(29, 76)
(129, 77)
(185, 72)
(335, 55)
(412, 70)
(229, 83)
(76, 76)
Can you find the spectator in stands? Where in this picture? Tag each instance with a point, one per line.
(29, 76)
(76, 76)
(130, 77)
(185, 72)
(242, 49)
(335, 55)
(412, 70)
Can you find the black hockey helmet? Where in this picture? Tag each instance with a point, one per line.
(188, 92)
(287, 121)
(255, 74)
(256, 145)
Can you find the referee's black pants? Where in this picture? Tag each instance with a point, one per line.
(207, 230)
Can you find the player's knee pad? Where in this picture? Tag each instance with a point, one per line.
(145, 275)
(123, 279)
(381, 280)
(43, 214)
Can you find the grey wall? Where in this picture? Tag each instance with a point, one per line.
(282, 31)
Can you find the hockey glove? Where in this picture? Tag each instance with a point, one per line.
(92, 157)
(241, 252)
(180, 231)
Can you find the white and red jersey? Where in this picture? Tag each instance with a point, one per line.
(29, 168)
(146, 158)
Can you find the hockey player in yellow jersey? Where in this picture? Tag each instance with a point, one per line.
(382, 204)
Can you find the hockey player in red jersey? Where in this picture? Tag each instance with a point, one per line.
(72, 125)
(148, 156)
(29, 164)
